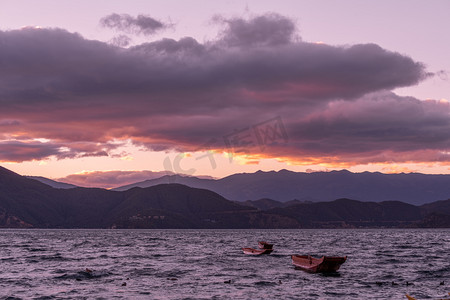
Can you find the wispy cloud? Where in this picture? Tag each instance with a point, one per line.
(121, 41)
(18, 151)
(141, 24)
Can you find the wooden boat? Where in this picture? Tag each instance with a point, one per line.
(318, 265)
(412, 298)
(252, 251)
(264, 245)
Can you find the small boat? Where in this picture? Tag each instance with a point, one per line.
(264, 245)
(318, 265)
(412, 298)
(252, 251)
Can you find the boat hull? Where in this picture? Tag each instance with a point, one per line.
(251, 251)
(325, 264)
(264, 245)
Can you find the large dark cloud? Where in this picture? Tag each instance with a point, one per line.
(141, 24)
(56, 64)
(180, 94)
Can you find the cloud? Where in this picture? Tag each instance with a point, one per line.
(110, 179)
(17, 151)
(7, 122)
(121, 41)
(266, 30)
(334, 101)
(380, 121)
(141, 24)
(31, 149)
(379, 127)
(54, 65)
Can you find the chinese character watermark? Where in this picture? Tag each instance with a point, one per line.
(264, 134)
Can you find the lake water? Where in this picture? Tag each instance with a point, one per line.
(209, 264)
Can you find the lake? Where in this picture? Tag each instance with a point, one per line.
(209, 264)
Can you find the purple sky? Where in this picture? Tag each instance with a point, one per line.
(103, 90)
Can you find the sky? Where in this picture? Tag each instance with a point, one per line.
(106, 93)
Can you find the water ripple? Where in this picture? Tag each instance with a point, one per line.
(209, 264)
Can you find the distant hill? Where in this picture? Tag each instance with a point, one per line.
(53, 183)
(438, 206)
(351, 213)
(319, 186)
(26, 203)
(185, 180)
(266, 204)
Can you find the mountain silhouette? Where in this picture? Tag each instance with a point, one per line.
(28, 203)
(286, 185)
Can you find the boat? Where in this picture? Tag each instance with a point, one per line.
(318, 265)
(412, 298)
(264, 245)
(252, 251)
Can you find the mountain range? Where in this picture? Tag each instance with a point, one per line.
(53, 183)
(284, 185)
(29, 203)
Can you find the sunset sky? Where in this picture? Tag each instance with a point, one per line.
(106, 93)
